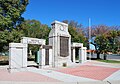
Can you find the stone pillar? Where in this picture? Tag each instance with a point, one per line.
(85, 54)
(17, 57)
(73, 55)
(42, 57)
(50, 57)
(69, 50)
(25, 55)
(82, 55)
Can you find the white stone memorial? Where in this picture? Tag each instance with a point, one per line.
(60, 39)
(82, 55)
(57, 53)
(40, 42)
(28, 40)
(82, 52)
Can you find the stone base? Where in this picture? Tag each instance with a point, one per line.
(45, 66)
(63, 63)
(17, 70)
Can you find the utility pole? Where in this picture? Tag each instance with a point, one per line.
(89, 37)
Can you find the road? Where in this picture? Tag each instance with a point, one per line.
(111, 57)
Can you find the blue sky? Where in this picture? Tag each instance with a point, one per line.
(100, 11)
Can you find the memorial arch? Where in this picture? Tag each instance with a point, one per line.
(60, 51)
(81, 52)
(18, 54)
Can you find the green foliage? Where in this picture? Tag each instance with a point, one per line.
(10, 13)
(33, 28)
(114, 40)
(6, 37)
(107, 38)
(10, 18)
(118, 33)
(102, 43)
(108, 42)
(15, 36)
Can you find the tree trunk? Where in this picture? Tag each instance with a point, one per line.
(98, 55)
(105, 56)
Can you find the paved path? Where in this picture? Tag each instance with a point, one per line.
(114, 76)
(60, 76)
(25, 76)
(90, 72)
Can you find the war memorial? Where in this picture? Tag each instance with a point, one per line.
(59, 52)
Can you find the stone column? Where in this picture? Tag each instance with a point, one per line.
(25, 56)
(42, 57)
(17, 57)
(73, 55)
(50, 57)
(85, 54)
(70, 50)
(82, 55)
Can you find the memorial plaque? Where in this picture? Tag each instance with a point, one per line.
(72, 55)
(64, 46)
(46, 56)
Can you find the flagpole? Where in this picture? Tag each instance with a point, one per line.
(89, 38)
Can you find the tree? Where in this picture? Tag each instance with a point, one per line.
(118, 32)
(113, 37)
(116, 28)
(97, 32)
(15, 36)
(99, 29)
(76, 31)
(33, 28)
(10, 18)
(3, 39)
(107, 42)
(7, 37)
(10, 13)
(102, 44)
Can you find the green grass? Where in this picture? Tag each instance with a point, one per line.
(109, 61)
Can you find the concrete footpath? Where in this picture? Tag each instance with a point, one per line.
(91, 72)
(60, 76)
(114, 76)
(97, 82)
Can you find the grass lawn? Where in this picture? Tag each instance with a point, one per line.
(109, 61)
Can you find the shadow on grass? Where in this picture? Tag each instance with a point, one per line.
(93, 58)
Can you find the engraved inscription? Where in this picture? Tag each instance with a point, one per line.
(64, 46)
